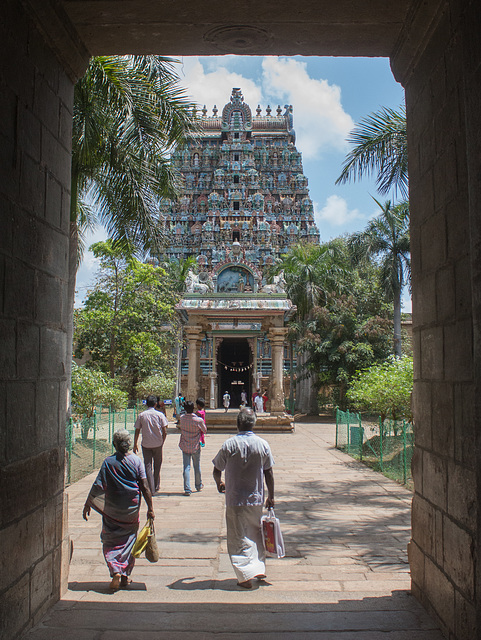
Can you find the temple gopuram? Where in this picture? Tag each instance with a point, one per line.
(244, 202)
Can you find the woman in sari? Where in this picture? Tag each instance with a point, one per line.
(115, 494)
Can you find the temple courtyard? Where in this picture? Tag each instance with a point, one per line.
(345, 575)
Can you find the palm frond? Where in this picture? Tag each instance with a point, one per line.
(380, 146)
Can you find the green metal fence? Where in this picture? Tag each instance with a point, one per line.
(89, 440)
(384, 446)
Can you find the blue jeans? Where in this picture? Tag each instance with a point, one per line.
(196, 464)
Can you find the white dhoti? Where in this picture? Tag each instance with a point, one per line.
(244, 541)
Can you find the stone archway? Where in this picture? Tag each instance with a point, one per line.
(435, 54)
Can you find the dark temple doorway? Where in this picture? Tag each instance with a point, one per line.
(234, 370)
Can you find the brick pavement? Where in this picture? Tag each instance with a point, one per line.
(345, 576)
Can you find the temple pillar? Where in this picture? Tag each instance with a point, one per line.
(255, 365)
(193, 335)
(212, 396)
(213, 376)
(277, 337)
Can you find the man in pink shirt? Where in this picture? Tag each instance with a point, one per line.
(191, 428)
(153, 425)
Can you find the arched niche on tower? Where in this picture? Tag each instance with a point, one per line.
(236, 278)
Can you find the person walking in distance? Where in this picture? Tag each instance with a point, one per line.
(153, 426)
(191, 428)
(226, 400)
(258, 404)
(247, 460)
(243, 398)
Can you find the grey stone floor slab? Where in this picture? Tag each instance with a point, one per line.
(345, 575)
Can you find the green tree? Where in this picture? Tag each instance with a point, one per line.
(384, 388)
(128, 323)
(349, 331)
(177, 271)
(312, 273)
(91, 388)
(129, 111)
(386, 238)
(158, 384)
(380, 146)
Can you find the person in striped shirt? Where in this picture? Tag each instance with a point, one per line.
(191, 428)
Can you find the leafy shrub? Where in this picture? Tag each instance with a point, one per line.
(91, 388)
(384, 388)
(158, 384)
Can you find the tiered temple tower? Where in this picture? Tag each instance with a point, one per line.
(244, 202)
(242, 182)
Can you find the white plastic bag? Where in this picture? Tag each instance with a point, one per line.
(272, 535)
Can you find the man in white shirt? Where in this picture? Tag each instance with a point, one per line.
(153, 425)
(258, 404)
(247, 460)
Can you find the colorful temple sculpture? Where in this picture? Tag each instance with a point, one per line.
(244, 202)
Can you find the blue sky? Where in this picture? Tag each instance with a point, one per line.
(329, 95)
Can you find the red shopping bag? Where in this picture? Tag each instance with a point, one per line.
(272, 535)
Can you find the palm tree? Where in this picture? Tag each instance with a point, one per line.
(177, 271)
(129, 111)
(387, 238)
(380, 146)
(311, 272)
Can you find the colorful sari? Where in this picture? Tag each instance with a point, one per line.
(115, 494)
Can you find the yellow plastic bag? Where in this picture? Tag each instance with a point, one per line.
(142, 539)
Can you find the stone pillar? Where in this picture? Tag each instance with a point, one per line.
(277, 337)
(254, 366)
(193, 335)
(213, 375)
(440, 70)
(36, 137)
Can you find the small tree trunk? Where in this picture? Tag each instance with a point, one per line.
(397, 325)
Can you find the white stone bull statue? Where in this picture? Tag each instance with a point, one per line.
(278, 284)
(193, 284)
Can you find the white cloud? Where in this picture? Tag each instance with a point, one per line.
(336, 213)
(213, 86)
(319, 119)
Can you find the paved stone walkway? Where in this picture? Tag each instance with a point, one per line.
(345, 576)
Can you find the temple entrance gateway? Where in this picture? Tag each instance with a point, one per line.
(234, 367)
(245, 202)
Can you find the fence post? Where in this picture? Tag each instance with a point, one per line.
(348, 432)
(95, 439)
(405, 471)
(70, 431)
(113, 427)
(125, 418)
(361, 436)
(381, 429)
(337, 424)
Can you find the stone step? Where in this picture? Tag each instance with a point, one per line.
(219, 420)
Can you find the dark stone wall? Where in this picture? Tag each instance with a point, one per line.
(35, 137)
(437, 59)
(440, 72)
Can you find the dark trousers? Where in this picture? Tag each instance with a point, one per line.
(153, 462)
